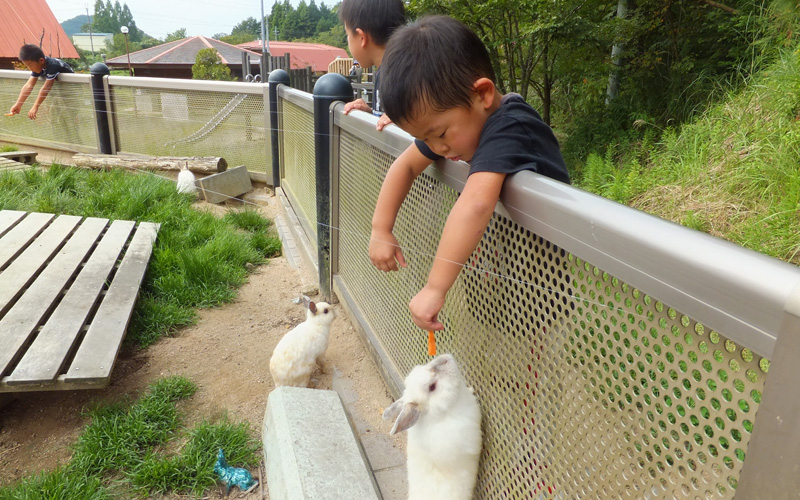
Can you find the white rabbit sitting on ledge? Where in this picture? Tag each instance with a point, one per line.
(443, 420)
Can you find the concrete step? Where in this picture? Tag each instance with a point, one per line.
(310, 449)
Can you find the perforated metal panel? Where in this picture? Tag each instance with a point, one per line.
(176, 122)
(65, 118)
(299, 175)
(589, 388)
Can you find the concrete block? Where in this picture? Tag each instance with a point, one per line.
(310, 450)
(220, 187)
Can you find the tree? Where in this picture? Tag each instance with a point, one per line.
(250, 26)
(209, 66)
(178, 34)
(110, 18)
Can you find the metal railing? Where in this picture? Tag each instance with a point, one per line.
(614, 354)
(152, 116)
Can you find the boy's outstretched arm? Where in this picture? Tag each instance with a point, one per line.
(48, 84)
(463, 230)
(384, 251)
(23, 95)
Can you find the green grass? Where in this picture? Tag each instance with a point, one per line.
(122, 451)
(198, 259)
(8, 148)
(733, 172)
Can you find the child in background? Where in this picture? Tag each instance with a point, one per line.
(40, 65)
(369, 24)
(439, 86)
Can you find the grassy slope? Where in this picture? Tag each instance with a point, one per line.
(734, 172)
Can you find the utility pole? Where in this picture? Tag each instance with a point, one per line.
(266, 62)
(91, 37)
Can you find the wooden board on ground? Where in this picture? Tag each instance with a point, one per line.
(69, 287)
(7, 165)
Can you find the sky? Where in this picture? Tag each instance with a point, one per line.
(158, 18)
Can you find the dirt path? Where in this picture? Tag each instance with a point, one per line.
(226, 354)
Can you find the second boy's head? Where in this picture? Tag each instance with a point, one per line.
(369, 24)
(32, 57)
(437, 84)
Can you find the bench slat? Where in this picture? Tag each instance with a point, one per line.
(98, 351)
(8, 218)
(47, 353)
(12, 242)
(19, 324)
(22, 271)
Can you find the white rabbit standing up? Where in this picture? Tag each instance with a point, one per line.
(444, 431)
(186, 180)
(295, 357)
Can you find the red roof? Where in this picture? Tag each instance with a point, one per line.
(23, 22)
(316, 55)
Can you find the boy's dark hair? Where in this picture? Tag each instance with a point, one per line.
(30, 52)
(431, 64)
(378, 18)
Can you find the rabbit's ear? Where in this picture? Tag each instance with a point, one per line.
(393, 410)
(408, 417)
(308, 304)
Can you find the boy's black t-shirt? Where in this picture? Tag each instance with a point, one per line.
(52, 68)
(514, 138)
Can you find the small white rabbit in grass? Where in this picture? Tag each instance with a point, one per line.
(186, 180)
(296, 356)
(443, 420)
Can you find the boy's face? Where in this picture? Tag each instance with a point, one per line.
(355, 42)
(35, 66)
(453, 133)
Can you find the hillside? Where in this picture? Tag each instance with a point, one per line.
(72, 26)
(733, 172)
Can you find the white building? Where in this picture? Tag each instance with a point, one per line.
(95, 41)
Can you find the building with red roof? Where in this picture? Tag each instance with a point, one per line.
(25, 21)
(302, 55)
(175, 59)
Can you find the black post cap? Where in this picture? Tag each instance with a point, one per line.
(279, 76)
(333, 85)
(99, 68)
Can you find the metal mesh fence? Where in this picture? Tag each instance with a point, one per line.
(299, 177)
(180, 122)
(65, 118)
(590, 388)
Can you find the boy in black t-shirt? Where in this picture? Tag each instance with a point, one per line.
(438, 85)
(369, 24)
(40, 65)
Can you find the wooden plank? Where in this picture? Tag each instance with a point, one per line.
(98, 351)
(46, 355)
(22, 271)
(12, 243)
(19, 324)
(8, 218)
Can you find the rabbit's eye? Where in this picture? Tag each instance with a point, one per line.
(325, 311)
(432, 387)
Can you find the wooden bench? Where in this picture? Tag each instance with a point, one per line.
(69, 285)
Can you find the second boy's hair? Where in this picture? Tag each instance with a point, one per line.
(378, 18)
(30, 52)
(431, 64)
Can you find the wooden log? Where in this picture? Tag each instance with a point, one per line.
(199, 164)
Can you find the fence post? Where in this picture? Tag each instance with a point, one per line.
(330, 88)
(771, 469)
(98, 71)
(276, 77)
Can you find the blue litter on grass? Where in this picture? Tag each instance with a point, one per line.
(233, 476)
